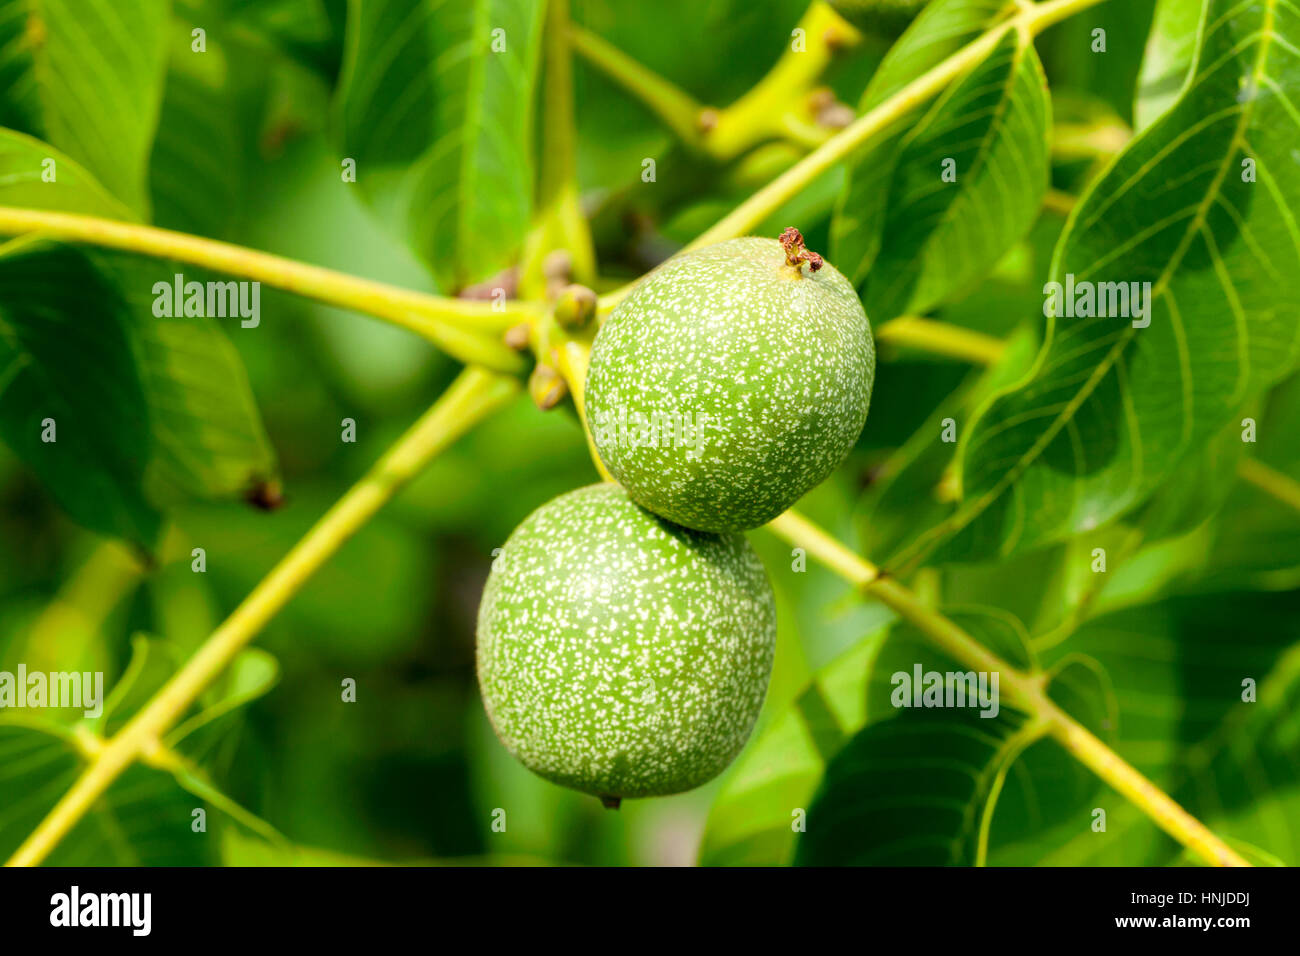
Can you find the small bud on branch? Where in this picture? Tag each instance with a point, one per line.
(546, 387)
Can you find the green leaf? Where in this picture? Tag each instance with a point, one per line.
(942, 785)
(78, 378)
(912, 791)
(753, 819)
(149, 411)
(1171, 47)
(1074, 61)
(908, 494)
(208, 439)
(20, 34)
(943, 28)
(1111, 410)
(939, 31)
(179, 376)
(310, 31)
(23, 161)
(439, 123)
(1206, 478)
(1177, 670)
(87, 76)
(145, 817)
(909, 238)
(201, 139)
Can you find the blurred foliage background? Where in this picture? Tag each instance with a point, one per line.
(247, 151)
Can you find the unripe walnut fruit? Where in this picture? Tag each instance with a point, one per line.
(730, 381)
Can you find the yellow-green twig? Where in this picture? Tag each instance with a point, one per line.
(940, 338)
(758, 207)
(470, 398)
(798, 530)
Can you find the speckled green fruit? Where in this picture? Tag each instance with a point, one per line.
(619, 654)
(759, 373)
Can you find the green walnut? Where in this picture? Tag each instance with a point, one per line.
(887, 18)
(730, 381)
(619, 654)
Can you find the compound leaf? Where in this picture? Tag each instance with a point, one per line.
(941, 785)
(1202, 207)
(842, 714)
(435, 107)
(1185, 720)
